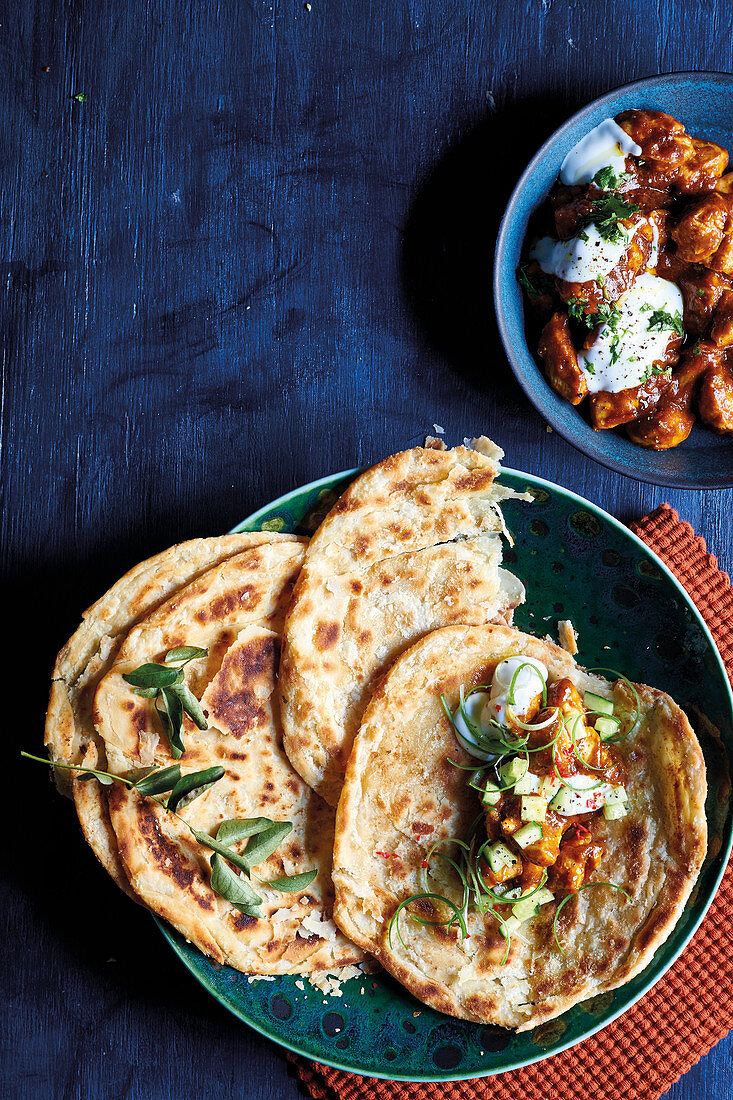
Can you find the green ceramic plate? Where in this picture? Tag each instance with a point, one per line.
(577, 562)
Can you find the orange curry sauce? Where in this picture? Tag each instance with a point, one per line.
(568, 850)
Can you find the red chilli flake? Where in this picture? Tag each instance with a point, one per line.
(384, 855)
(424, 863)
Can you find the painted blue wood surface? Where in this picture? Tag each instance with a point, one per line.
(259, 250)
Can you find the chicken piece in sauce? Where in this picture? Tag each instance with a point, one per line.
(596, 293)
(715, 399)
(673, 419)
(558, 353)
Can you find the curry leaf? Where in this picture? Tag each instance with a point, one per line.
(237, 828)
(153, 676)
(230, 886)
(159, 780)
(171, 715)
(101, 777)
(184, 653)
(192, 785)
(262, 845)
(190, 704)
(146, 693)
(216, 846)
(290, 884)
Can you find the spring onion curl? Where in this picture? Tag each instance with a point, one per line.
(510, 693)
(534, 727)
(441, 855)
(477, 732)
(500, 898)
(416, 897)
(571, 729)
(494, 746)
(567, 899)
(578, 790)
(637, 716)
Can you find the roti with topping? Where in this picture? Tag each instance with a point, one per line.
(514, 834)
(413, 544)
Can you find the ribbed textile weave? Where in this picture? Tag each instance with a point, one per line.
(642, 1054)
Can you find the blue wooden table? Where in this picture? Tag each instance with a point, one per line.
(245, 244)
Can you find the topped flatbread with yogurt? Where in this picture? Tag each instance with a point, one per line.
(549, 874)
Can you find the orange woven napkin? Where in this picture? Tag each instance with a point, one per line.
(642, 1054)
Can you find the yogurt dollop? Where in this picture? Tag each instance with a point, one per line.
(605, 146)
(626, 346)
(581, 259)
(484, 709)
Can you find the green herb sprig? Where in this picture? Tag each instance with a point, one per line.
(606, 179)
(607, 213)
(661, 320)
(536, 285)
(265, 835)
(165, 684)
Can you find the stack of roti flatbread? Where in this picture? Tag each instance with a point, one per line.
(412, 545)
(249, 725)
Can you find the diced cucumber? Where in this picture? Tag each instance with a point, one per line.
(513, 770)
(616, 796)
(513, 894)
(568, 802)
(526, 909)
(534, 808)
(528, 834)
(607, 727)
(491, 795)
(597, 703)
(611, 813)
(500, 857)
(512, 925)
(528, 784)
(543, 896)
(549, 786)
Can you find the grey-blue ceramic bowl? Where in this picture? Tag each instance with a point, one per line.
(704, 103)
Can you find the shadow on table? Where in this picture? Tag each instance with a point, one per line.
(70, 914)
(447, 261)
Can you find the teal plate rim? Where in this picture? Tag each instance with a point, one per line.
(198, 965)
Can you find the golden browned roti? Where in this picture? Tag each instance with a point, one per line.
(70, 735)
(412, 545)
(401, 795)
(235, 610)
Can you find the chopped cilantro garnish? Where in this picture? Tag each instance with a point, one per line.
(606, 214)
(576, 310)
(607, 180)
(651, 370)
(662, 320)
(615, 350)
(536, 284)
